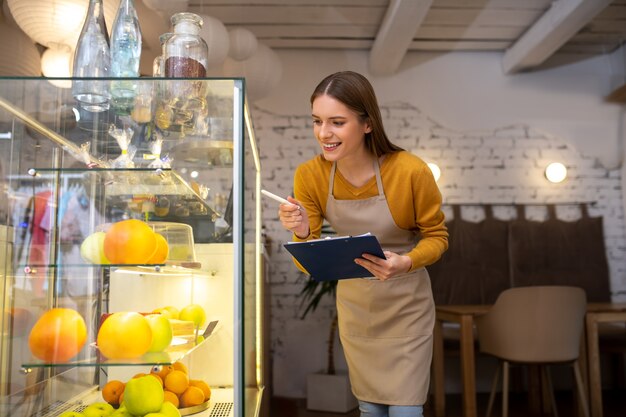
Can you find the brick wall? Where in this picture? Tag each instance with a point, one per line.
(501, 166)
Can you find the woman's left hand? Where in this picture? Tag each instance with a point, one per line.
(384, 269)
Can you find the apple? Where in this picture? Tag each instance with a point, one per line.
(169, 410)
(155, 415)
(170, 312)
(98, 410)
(194, 313)
(121, 412)
(162, 332)
(92, 249)
(143, 395)
(71, 414)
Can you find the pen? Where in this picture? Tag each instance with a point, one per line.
(275, 197)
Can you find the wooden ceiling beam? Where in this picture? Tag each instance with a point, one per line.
(554, 28)
(401, 21)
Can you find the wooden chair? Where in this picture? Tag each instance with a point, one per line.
(538, 325)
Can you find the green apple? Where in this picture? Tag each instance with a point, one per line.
(193, 312)
(169, 410)
(143, 395)
(155, 415)
(98, 410)
(92, 249)
(71, 414)
(162, 332)
(121, 412)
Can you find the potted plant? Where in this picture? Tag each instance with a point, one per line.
(327, 390)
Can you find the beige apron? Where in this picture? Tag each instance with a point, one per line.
(385, 326)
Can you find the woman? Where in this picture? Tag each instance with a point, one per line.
(364, 183)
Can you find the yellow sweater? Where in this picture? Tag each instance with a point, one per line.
(412, 195)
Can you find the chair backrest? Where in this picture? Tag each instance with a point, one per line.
(538, 324)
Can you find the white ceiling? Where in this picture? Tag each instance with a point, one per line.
(530, 31)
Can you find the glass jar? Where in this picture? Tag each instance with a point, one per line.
(186, 54)
(158, 65)
(92, 59)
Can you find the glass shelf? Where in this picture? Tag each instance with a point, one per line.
(181, 347)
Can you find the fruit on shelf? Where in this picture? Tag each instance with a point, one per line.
(170, 397)
(98, 410)
(176, 382)
(112, 391)
(158, 378)
(58, 335)
(191, 397)
(155, 415)
(162, 250)
(194, 313)
(71, 414)
(129, 242)
(92, 249)
(170, 312)
(179, 366)
(143, 395)
(124, 335)
(206, 390)
(161, 332)
(169, 410)
(121, 412)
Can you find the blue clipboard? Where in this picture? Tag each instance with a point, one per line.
(332, 258)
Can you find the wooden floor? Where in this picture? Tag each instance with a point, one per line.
(614, 406)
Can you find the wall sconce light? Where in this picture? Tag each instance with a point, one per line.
(435, 170)
(556, 172)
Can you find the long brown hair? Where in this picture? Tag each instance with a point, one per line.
(356, 92)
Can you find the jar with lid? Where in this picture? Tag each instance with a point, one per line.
(158, 65)
(186, 54)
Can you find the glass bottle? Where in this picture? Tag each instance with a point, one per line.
(92, 59)
(125, 55)
(186, 53)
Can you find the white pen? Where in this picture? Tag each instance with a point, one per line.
(277, 198)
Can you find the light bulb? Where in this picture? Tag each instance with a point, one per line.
(556, 172)
(435, 170)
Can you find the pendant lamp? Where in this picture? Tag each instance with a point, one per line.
(216, 37)
(262, 71)
(243, 44)
(18, 54)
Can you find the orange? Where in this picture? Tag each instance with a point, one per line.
(121, 400)
(139, 375)
(166, 369)
(112, 391)
(179, 366)
(124, 335)
(176, 381)
(162, 250)
(203, 386)
(58, 335)
(129, 242)
(192, 396)
(171, 397)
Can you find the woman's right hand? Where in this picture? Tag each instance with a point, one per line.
(294, 218)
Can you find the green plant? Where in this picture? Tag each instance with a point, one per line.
(312, 293)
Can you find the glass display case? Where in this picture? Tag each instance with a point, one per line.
(113, 220)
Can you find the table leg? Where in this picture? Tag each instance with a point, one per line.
(468, 368)
(593, 365)
(438, 373)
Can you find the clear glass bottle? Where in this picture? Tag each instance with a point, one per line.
(92, 59)
(158, 65)
(186, 53)
(125, 55)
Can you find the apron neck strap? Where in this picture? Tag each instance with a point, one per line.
(379, 181)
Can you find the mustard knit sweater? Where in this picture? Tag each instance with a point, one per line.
(410, 189)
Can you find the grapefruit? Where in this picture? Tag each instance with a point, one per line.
(124, 335)
(129, 242)
(58, 335)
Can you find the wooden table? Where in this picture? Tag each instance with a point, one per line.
(464, 315)
(598, 313)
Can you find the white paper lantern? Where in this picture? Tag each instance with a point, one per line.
(18, 54)
(216, 37)
(56, 21)
(243, 44)
(262, 71)
(56, 61)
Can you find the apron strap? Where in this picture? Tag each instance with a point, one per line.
(331, 180)
(379, 181)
